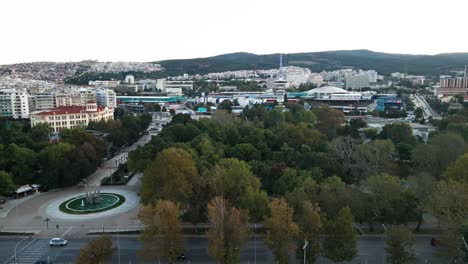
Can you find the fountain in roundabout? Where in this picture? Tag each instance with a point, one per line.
(93, 201)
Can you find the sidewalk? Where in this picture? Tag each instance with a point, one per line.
(10, 204)
(108, 167)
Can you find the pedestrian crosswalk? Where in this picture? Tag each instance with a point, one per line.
(32, 253)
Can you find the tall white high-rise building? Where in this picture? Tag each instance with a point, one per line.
(372, 76)
(14, 103)
(106, 97)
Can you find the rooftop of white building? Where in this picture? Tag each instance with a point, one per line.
(327, 90)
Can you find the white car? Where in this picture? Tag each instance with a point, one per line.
(58, 242)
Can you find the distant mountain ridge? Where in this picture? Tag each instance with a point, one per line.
(383, 63)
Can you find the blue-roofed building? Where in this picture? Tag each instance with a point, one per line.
(150, 99)
(387, 101)
(202, 110)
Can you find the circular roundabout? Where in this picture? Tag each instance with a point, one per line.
(109, 203)
(79, 205)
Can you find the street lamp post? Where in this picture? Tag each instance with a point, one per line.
(118, 242)
(47, 223)
(305, 250)
(385, 229)
(464, 242)
(255, 244)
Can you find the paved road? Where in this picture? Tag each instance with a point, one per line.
(421, 102)
(371, 250)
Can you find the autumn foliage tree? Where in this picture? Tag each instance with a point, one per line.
(281, 230)
(309, 226)
(229, 230)
(95, 251)
(162, 236)
(170, 176)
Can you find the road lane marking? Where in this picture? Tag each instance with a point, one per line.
(68, 230)
(19, 251)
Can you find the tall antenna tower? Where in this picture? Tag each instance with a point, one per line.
(280, 73)
(465, 71)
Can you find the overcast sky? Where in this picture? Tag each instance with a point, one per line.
(150, 30)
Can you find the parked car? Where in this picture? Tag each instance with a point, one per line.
(58, 242)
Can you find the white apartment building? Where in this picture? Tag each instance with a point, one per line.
(43, 100)
(104, 83)
(165, 85)
(106, 97)
(356, 82)
(296, 75)
(86, 95)
(67, 99)
(372, 76)
(14, 103)
(316, 79)
(173, 91)
(72, 116)
(75, 97)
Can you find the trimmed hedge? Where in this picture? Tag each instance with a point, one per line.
(64, 209)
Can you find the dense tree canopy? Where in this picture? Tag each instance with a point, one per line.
(170, 176)
(312, 157)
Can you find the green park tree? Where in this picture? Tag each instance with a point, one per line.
(233, 180)
(340, 238)
(458, 171)
(400, 245)
(390, 200)
(449, 202)
(440, 151)
(328, 120)
(7, 186)
(421, 186)
(397, 133)
(226, 105)
(373, 158)
(418, 113)
(332, 196)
